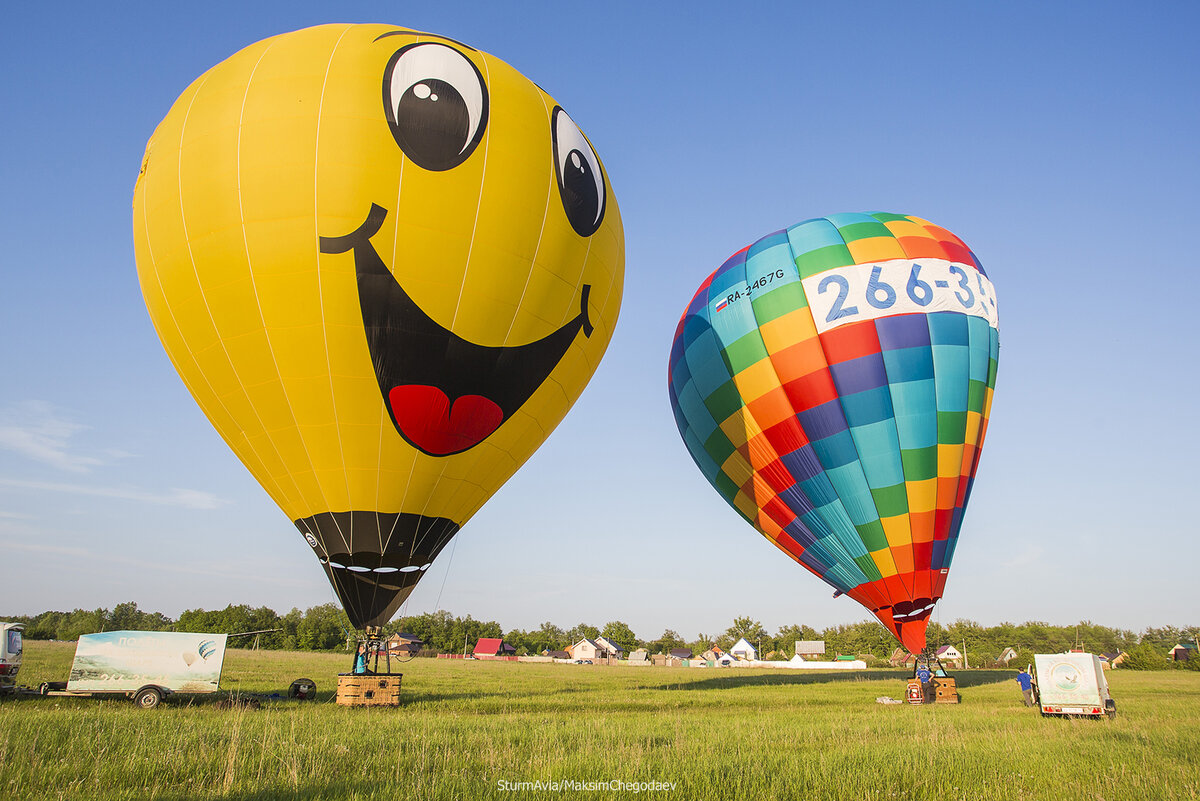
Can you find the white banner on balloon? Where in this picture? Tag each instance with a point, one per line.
(899, 286)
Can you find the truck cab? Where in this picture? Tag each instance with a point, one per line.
(11, 645)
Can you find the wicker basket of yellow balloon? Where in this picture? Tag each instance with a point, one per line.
(358, 690)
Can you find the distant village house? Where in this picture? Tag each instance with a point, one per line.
(744, 650)
(610, 648)
(403, 644)
(808, 648)
(1183, 652)
(492, 647)
(949, 656)
(674, 658)
(584, 649)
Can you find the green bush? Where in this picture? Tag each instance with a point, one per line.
(1145, 657)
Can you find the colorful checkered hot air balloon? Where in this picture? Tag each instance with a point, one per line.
(833, 381)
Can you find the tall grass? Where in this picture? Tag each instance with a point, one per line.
(467, 727)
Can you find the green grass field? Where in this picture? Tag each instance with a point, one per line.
(477, 729)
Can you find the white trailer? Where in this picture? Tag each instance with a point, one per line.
(10, 654)
(1072, 684)
(143, 665)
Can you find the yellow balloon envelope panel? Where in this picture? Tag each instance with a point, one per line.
(384, 301)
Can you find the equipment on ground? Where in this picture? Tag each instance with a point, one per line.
(302, 690)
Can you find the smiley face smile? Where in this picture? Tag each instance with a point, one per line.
(444, 394)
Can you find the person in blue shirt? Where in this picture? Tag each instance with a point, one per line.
(360, 659)
(1026, 682)
(924, 676)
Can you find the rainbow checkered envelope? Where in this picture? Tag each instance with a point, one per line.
(833, 382)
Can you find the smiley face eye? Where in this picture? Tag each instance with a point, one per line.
(580, 179)
(436, 103)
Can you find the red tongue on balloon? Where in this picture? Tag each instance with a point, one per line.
(433, 424)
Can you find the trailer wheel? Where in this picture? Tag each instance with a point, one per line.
(1110, 709)
(44, 688)
(147, 698)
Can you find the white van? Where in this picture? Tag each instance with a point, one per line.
(1071, 684)
(10, 654)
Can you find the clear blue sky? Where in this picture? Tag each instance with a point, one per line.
(1058, 140)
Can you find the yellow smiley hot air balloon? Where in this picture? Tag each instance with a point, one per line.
(384, 301)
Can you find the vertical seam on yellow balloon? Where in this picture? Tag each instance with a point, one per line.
(478, 202)
(385, 419)
(250, 273)
(466, 269)
(486, 147)
(321, 304)
(567, 312)
(550, 189)
(385, 423)
(615, 276)
(154, 263)
(538, 248)
(417, 457)
(158, 281)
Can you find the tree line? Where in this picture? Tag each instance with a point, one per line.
(326, 627)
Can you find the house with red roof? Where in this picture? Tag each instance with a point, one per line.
(492, 647)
